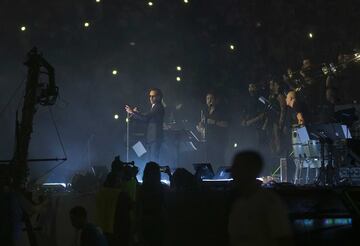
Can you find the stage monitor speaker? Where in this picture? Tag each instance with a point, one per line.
(203, 171)
(223, 172)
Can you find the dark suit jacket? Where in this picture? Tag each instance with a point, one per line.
(154, 119)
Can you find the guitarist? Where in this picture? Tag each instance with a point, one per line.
(213, 127)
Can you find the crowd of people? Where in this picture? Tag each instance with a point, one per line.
(132, 213)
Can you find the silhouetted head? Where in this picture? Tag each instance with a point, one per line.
(182, 180)
(246, 167)
(151, 174)
(78, 217)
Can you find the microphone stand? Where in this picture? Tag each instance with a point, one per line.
(89, 149)
(127, 136)
(203, 116)
(205, 139)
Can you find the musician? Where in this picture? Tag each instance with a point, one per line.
(346, 82)
(313, 88)
(214, 126)
(276, 116)
(254, 118)
(300, 109)
(154, 119)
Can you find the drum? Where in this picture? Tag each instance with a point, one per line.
(314, 149)
(299, 140)
(311, 163)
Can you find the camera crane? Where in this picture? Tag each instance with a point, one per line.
(36, 92)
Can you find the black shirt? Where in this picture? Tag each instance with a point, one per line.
(301, 107)
(213, 131)
(154, 119)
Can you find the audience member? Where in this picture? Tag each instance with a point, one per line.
(183, 180)
(257, 216)
(150, 206)
(90, 235)
(113, 209)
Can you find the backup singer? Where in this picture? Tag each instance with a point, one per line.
(154, 119)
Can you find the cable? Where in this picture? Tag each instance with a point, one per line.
(12, 97)
(57, 132)
(62, 146)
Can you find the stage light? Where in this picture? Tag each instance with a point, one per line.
(178, 79)
(178, 68)
(86, 24)
(116, 116)
(311, 35)
(150, 4)
(98, 1)
(179, 106)
(235, 145)
(114, 72)
(232, 47)
(23, 28)
(186, 1)
(357, 56)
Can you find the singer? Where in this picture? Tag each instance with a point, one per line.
(154, 119)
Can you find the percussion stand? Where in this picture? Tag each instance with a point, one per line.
(332, 168)
(321, 178)
(327, 175)
(298, 168)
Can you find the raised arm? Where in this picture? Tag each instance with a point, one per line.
(157, 109)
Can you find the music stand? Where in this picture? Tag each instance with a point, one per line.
(139, 149)
(183, 140)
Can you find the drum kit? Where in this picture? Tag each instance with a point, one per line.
(321, 148)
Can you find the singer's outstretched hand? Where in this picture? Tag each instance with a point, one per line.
(129, 110)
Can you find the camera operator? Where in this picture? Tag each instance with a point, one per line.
(115, 203)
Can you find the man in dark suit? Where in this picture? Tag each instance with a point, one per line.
(154, 119)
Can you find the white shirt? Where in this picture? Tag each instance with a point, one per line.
(258, 220)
